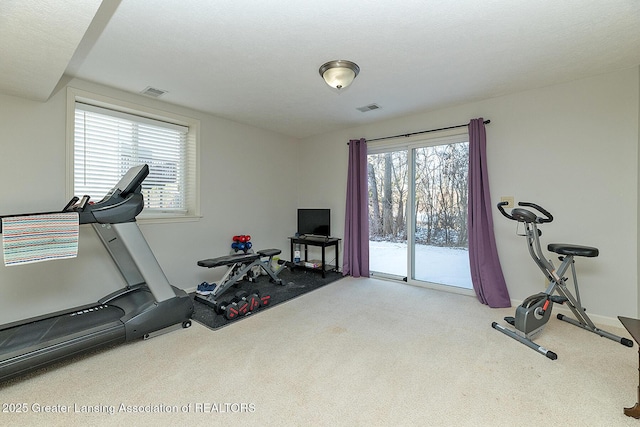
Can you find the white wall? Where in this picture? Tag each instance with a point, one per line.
(246, 183)
(572, 148)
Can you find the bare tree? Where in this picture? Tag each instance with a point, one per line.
(441, 194)
(387, 200)
(400, 175)
(374, 201)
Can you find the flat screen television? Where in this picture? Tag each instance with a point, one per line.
(314, 222)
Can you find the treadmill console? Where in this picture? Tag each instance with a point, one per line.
(121, 204)
(130, 181)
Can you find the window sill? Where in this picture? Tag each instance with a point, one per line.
(166, 219)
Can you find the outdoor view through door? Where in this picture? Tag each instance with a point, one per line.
(418, 212)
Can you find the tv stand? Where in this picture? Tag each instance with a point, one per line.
(319, 241)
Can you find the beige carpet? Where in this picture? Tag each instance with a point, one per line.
(356, 352)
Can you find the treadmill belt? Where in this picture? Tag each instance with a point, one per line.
(59, 328)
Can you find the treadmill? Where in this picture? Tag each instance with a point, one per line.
(147, 305)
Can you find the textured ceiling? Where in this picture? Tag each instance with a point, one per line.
(37, 41)
(257, 62)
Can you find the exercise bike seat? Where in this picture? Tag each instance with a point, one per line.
(575, 250)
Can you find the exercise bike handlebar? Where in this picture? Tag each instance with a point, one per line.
(524, 215)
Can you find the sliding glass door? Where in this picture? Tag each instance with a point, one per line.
(388, 194)
(418, 211)
(439, 238)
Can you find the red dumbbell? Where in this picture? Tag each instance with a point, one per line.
(265, 300)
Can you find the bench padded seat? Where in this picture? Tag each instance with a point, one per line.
(228, 260)
(269, 252)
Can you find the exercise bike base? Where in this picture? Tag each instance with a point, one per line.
(548, 353)
(624, 341)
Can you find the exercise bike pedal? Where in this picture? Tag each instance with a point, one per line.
(510, 320)
(558, 299)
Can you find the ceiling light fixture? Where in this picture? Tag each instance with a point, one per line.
(339, 74)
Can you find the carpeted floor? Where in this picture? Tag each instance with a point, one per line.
(357, 352)
(294, 283)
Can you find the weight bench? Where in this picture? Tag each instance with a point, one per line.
(241, 265)
(266, 264)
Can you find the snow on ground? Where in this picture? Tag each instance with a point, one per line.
(446, 266)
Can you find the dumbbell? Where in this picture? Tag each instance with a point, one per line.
(229, 309)
(262, 300)
(254, 300)
(247, 301)
(265, 300)
(233, 308)
(241, 304)
(240, 299)
(237, 246)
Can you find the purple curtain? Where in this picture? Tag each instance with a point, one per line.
(356, 224)
(486, 273)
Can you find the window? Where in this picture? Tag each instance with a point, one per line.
(108, 139)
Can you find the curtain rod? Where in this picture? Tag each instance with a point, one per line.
(486, 122)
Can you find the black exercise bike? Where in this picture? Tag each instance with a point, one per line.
(534, 312)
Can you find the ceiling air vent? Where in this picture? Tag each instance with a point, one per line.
(154, 92)
(368, 108)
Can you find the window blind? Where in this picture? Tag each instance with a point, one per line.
(107, 143)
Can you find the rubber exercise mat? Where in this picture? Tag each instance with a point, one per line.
(295, 283)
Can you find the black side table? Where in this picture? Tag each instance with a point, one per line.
(322, 242)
